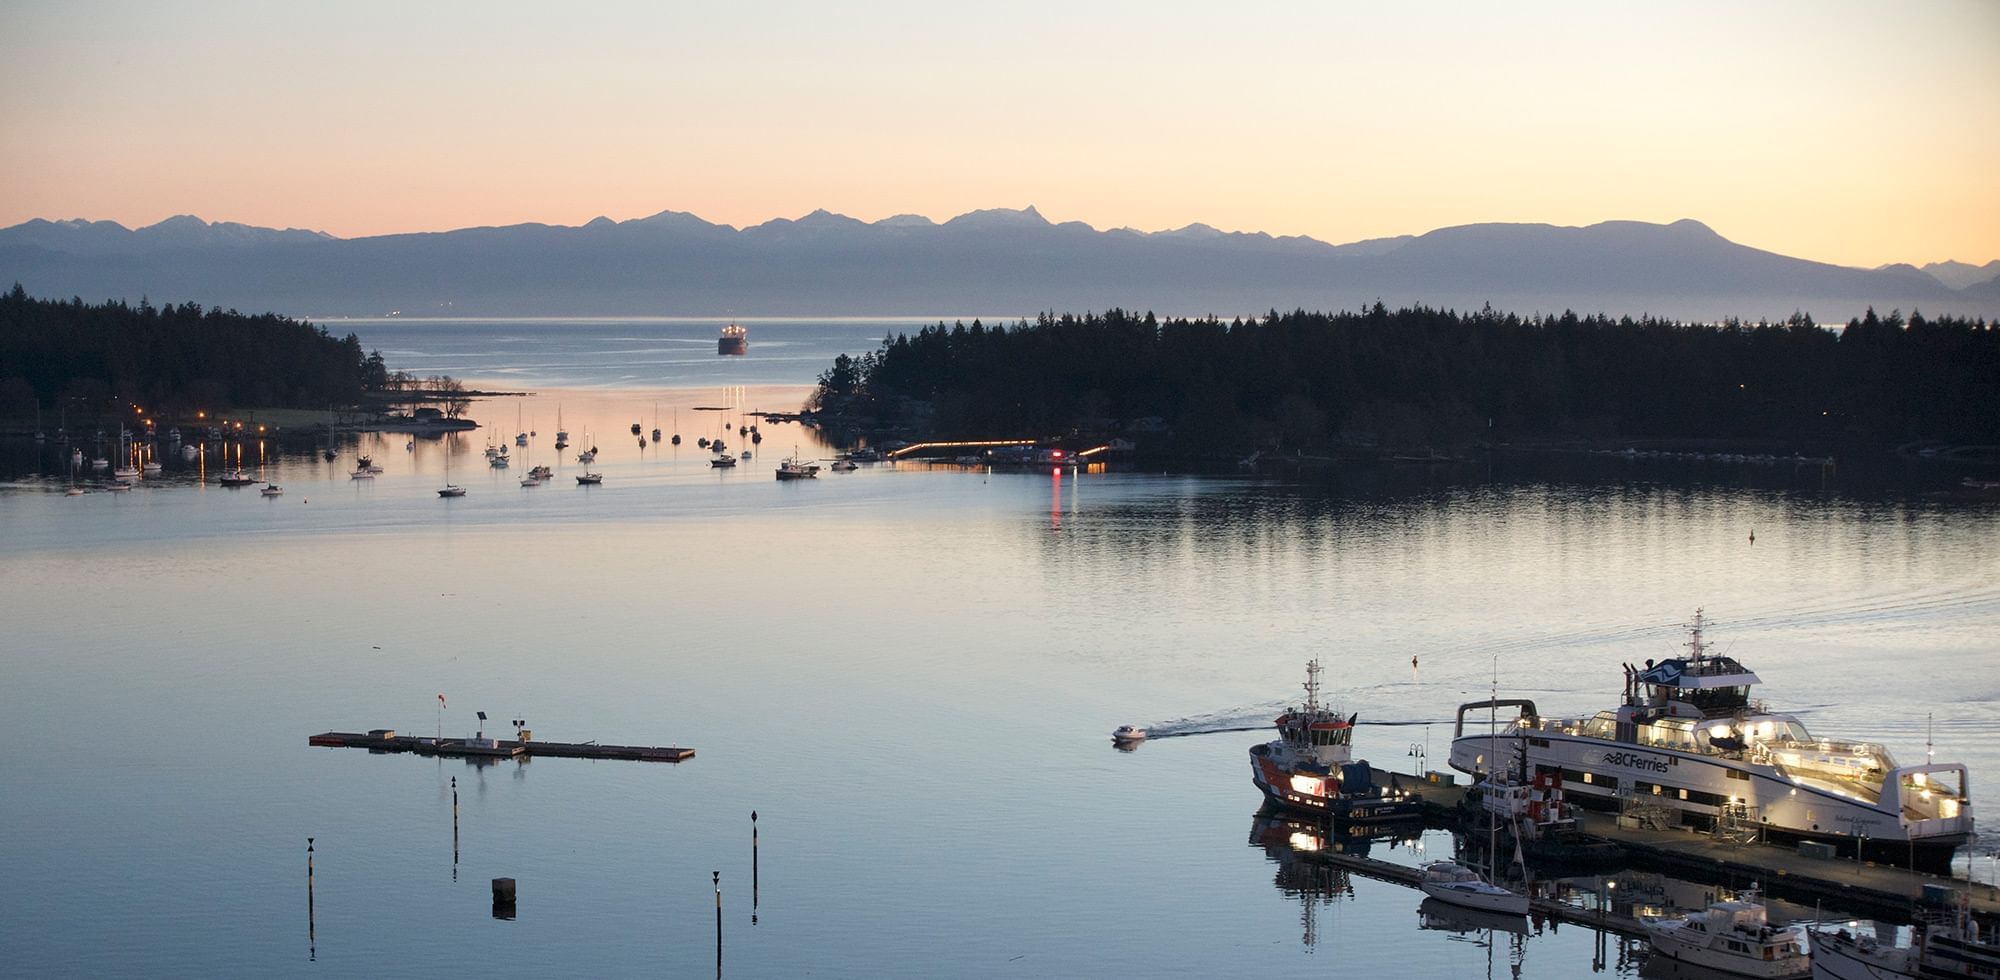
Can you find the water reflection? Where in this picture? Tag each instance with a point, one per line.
(1294, 845)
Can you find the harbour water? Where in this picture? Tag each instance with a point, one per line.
(909, 673)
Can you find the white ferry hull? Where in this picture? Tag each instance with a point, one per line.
(1594, 769)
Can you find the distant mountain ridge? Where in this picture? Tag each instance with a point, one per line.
(1001, 261)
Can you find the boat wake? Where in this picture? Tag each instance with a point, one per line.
(1253, 718)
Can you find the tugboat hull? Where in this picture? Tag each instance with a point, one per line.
(1322, 795)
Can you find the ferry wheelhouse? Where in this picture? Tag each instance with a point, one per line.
(1310, 767)
(1689, 740)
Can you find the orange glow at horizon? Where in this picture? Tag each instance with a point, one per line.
(1842, 131)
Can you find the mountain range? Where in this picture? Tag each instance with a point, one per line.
(997, 262)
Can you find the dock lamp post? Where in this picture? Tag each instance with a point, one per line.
(1419, 753)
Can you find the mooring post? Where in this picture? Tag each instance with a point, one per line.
(753, 867)
(503, 898)
(312, 912)
(717, 877)
(454, 828)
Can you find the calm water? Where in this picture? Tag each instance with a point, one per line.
(909, 673)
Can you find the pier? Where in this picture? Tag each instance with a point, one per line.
(386, 740)
(1865, 885)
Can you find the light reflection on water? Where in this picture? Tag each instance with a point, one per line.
(910, 674)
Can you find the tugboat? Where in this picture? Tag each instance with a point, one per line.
(1309, 768)
(735, 341)
(1733, 937)
(1688, 737)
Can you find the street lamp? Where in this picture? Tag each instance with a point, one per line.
(1419, 753)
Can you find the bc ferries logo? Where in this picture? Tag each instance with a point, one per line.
(1633, 760)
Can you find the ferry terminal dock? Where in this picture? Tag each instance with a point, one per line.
(1860, 886)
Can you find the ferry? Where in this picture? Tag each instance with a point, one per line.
(1309, 768)
(1689, 740)
(734, 341)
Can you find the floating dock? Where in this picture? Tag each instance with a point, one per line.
(1545, 908)
(386, 740)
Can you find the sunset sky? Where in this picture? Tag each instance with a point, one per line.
(1850, 132)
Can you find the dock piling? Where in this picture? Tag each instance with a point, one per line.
(454, 828)
(716, 876)
(312, 911)
(753, 867)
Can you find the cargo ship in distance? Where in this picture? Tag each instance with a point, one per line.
(1688, 739)
(734, 341)
(1310, 767)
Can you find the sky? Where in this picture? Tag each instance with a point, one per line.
(1851, 132)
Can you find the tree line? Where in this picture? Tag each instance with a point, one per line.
(1428, 377)
(172, 358)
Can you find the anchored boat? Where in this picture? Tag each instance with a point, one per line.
(734, 341)
(1688, 738)
(1309, 768)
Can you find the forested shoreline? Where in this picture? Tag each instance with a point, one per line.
(175, 359)
(1431, 378)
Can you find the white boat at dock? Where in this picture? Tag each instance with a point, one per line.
(1944, 946)
(1733, 937)
(1449, 881)
(1688, 738)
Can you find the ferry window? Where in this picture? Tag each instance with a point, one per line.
(1684, 794)
(1586, 777)
(1734, 774)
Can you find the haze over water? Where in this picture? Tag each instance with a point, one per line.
(909, 673)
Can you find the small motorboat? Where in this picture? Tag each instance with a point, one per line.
(271, 490)
(127, 472)
(1449, 881)
(152, 467)
(73, 492)
(451, 490)
(235, 478)
(722, 461)
(531, 480)
(589, 479)
(542, 473)
(117, 486)
(845, 466)
(1123, 734)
